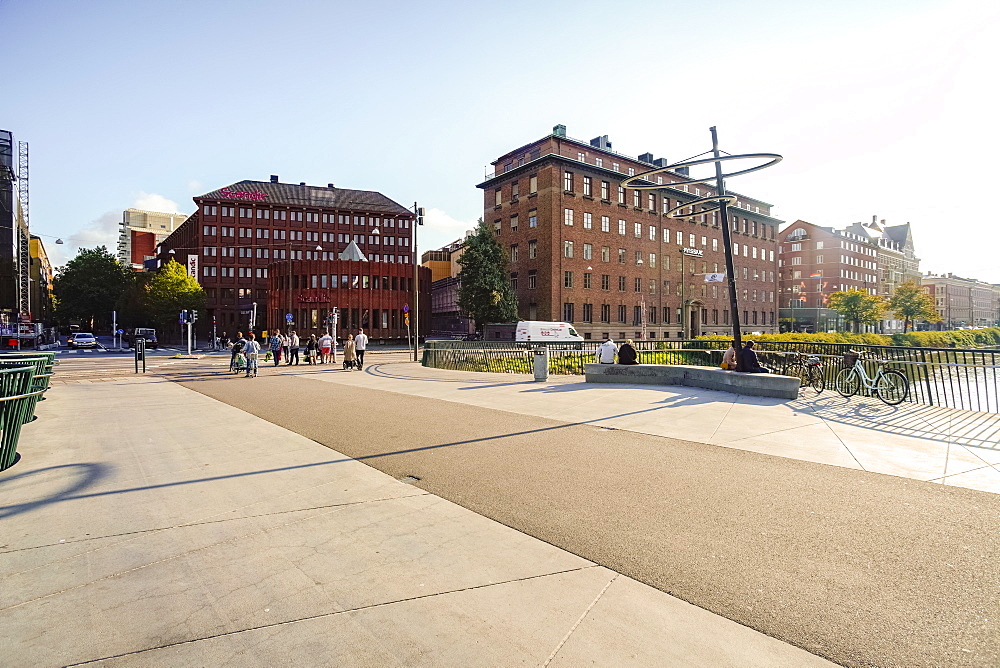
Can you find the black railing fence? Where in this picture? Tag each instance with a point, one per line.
(955, 378)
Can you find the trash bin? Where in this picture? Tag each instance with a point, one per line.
(541, 364)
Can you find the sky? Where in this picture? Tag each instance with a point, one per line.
(878, 108)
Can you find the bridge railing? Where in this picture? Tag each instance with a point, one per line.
(957, 378)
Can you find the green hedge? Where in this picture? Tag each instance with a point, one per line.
(967, 338)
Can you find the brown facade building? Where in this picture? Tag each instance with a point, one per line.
(962, 302)
(585, 250)
(816, 262)
(267, 250)
(141, 231)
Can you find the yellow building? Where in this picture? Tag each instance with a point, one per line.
(40, 275)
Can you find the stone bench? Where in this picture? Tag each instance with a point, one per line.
(711, 378)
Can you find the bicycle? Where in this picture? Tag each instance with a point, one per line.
(891, 386)
(809, 371)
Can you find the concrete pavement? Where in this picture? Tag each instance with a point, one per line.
(150, 525)
(210, 513)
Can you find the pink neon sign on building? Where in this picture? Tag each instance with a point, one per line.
(242, 194)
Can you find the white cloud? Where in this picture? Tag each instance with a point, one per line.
(103, 231)
(440, 229)
(194, 185)
(154, 202)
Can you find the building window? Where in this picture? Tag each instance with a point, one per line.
(796, 260)
(568, 181)
(532, 279)
(513, 280)
(636, 199)
(514, 188)
(599, 162)
(652, 286)
(532, 184)
(631, 171)
(533, 218)
(605, 312)
(568, 249)
(614, 166)
(819, 245)
(605, 254)
(621, 227)
(532, 249)
(588, 251)
(680, 238)
(819, 259)
(652, 232)
(621, 195)
(638, 285)
(567, 279)
(621, 256)
(621, 284)
(568, 312)
(605, 224)
(496, 230)
(513, 223)
(208, 251)
(652, 260)
(588, 221)
(588, 313)
(588, 187)
(622, 313)
(605, 281)
(208, 230)
(568, 216)
(587, 280)
(513, 252)
(637, 229)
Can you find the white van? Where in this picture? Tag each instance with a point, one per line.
(552, 332)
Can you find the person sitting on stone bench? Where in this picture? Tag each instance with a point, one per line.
(627, 354)
(750, 362)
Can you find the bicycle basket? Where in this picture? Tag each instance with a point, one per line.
(850, 358)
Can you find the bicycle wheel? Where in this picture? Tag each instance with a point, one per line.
(848, 382)
(817, 379)
(892, 387)
(798, 370)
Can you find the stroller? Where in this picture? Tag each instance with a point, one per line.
(238, 363)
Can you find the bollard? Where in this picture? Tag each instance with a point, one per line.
(541, 364)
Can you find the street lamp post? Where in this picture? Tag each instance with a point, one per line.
(417, 221)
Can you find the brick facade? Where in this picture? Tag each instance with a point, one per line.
(608, 260)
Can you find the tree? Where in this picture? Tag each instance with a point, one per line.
(171, 291)
(484, 292)
(909, 302)
(89, 286)
(858, 307)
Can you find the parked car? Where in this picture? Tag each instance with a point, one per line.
(147, 333)
(81, 340)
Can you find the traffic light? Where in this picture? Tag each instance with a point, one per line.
(420, 215)
(184, 317)
(194, 316)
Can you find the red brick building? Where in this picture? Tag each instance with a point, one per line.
(585, 250)
(282, 247)
(814, 263)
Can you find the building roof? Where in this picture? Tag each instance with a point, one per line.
(290, 194)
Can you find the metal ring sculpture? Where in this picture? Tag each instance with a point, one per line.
(774, 159)
(718, 199)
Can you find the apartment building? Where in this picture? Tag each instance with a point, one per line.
(584, 249)
(962, 302)
(141, 231)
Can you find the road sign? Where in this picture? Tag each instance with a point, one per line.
(406, 308)
(120, 332)
(288, 317)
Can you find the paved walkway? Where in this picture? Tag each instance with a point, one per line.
(206, 535)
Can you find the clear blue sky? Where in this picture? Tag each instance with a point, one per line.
(880, 108)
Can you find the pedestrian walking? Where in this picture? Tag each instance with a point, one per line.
(606, 352)
(236, 349)
(252, 352)
(327, 350)
(312, 346)
(349, 352)
(360, 343)
(274, 343)
(293, 348)
(224, 340)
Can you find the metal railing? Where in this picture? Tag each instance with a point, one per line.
(968, 379)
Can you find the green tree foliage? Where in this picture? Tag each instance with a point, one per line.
(133, 306)
(170, 291)
(910, 303)
(89, 286)
(484, 293)
(858, 307)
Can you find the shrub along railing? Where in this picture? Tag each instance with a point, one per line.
(967, 379)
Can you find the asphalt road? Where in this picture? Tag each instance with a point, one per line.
(861, 568)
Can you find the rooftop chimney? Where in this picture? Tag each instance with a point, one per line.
(559, 130)
(601, 142)
(329, 185)
(274, 178)
(646, 158)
